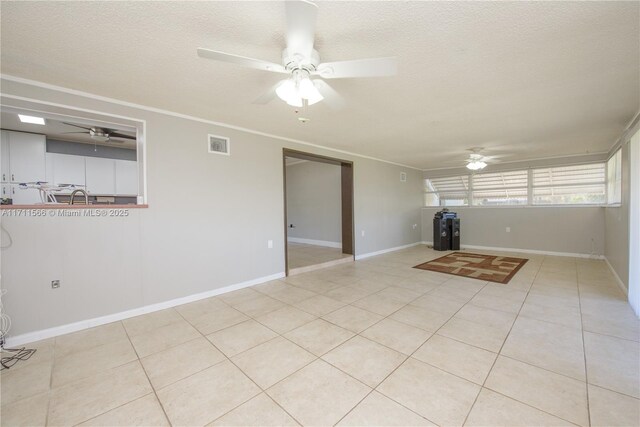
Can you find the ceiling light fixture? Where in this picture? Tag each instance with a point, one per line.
(475, 165)
(299, 88)
(31, 119)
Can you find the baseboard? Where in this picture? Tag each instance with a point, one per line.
(97, 321)
(308, 268)
(315, 242)
(527, 251)
(384, 251)
(619, 281)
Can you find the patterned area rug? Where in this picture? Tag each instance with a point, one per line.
(492, 268)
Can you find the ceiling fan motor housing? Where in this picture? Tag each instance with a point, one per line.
(296, 61)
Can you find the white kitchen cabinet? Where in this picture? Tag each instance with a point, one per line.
(5, 190)
(5, 174)
(27, 157)
(100, 175)
(22, 159)
(24, 196)
(126, 178)
(65, 169)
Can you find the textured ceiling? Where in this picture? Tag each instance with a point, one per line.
(523, 79)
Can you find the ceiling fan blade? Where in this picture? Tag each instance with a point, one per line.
(269, 95)
(121, 135)
(373, 67)
(301, 27)
(78, 126)
(257, 64)
(331, 97)
(65, 133)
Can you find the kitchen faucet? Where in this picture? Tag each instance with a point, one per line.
(86, 196)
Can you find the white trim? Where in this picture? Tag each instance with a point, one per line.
(295, 162)
(185, 116)
(619, 281)
(632, 127)
(384, 251)
(97, 321)
(526, 251)
(326, 243)
(308, 268)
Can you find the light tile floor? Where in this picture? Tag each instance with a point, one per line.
(303, 255)
(374, 342)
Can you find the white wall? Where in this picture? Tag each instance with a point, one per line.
(634, 223)
(314, 201)
(574, 230)
(617, 226)
(207, 225)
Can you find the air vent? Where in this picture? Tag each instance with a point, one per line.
(219, 145)
(403, 177)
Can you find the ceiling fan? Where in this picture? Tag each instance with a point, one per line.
(101, 134)
(476, 161)
(301, 63)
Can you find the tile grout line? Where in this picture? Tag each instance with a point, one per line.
(584, 349)
(356, 334)
(527, 363)
(409, 356)
(115, 367)
(237, 367)
(50, 391)
(139, 360)
(501, 347)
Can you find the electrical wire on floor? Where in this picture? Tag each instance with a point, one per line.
(10, 356)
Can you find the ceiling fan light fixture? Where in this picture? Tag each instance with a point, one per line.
(476, 165)
(295, 101)
(294, 90)
(286, 90)
(308, 91)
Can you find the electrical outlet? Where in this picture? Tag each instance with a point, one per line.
(362, 232)
(414, 226)
(55, 284)
(270, 244)
(508, 229)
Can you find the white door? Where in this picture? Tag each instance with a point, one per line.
(4, 158)
(27, 157)
(100, 176)
(126, 178)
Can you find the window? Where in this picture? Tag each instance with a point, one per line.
(451, 191)
(564, 185)
(501, 188)
(569, 185)
(614, 179)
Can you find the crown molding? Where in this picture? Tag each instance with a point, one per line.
(88, 95)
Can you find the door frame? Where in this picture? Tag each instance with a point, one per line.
(347, 197)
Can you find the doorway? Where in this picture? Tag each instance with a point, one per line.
(318, 211)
